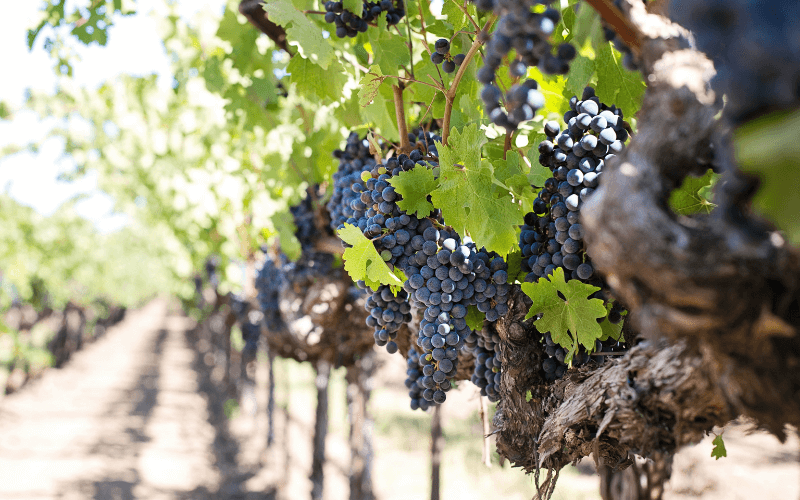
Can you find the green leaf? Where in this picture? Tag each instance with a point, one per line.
(528, 395)
(303, 31)
(474, 318)
(580, 74)
(692, 196)
(610, 330)
(514, 261)
(769, 147)
(284, 224)
(380, 114)
(362, 261)
(370, 84)
(315, 83)
(719, 450)
(390, 50)
(616, 84)
(567, 311)
(466, 196)
(414, 186)
(354, 6)
(455, 16)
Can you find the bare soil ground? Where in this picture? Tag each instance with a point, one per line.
(138, 414)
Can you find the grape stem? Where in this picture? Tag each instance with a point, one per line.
(450, 95)
(629, 34)
(400, 114)
(507, 143)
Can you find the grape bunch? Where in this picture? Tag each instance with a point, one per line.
(311, 264)
(553, 235)
(353, 160)
(441, 55)
(486, 351)
(414, 381)
(527, 33)
(349, 24)
(269, 281)
(444, 278)
(250, 332)
(387, 313)
(364, 198)
(755, 49)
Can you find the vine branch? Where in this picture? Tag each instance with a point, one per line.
(400, 114)
(627, 31)
(450, 95)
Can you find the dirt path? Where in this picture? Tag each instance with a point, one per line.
(140, 414)
(122, 420)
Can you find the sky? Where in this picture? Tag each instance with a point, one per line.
(134, 47)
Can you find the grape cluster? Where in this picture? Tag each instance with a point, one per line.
(755, 48)
(250, 333)
(268, 284)
(387, 312)
(527, 33)
(311, 264)
(444, 278)
(486, 349)
(441, 55)
(349, 24)
(364, 198)
(414, 381)
(444, 275)
(353, 160)
(552, 236)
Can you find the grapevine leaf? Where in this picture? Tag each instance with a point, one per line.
(719, 450)
(380, 114)
(775, 162)
(552, 88)
(370, 84)
(513, 174)
(466, 197)
(580, 73)
(303, 31)
(362, 261)
(284, 224)
(615, 83)
(455, 16)
(474, 318)
(354, 6)
(315, 83)
(610, 330)
(414, 186)
(514, 261)
(390, 51)
(440, 28)
(690, 198)
(567, 311)
(528, 395)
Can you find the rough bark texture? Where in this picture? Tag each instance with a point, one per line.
(325, 321)
(437, 442)
(359, 387)
(723, 283)
(643, 480)
(320, 429)
(714, 300)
